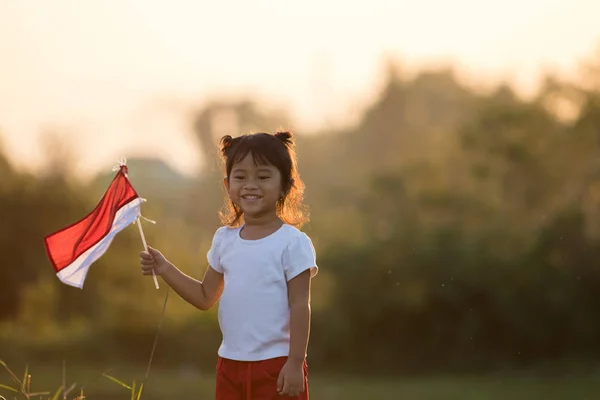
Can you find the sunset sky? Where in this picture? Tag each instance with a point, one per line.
(120, 77)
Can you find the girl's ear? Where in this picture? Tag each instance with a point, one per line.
(226, 183)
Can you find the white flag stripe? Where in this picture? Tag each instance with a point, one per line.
(74, 274)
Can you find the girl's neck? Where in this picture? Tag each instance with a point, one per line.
(260, 227)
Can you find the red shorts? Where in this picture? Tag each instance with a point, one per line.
(254, 380)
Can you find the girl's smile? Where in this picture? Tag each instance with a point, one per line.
(255, 188)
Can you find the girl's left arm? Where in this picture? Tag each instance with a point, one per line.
(299, 299)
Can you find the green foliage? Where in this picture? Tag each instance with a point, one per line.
(454, 230)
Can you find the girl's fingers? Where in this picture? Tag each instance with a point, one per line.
(147, 270)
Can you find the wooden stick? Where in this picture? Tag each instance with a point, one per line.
(139, 224)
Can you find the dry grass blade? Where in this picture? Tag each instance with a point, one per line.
(70, 389)
(139, 396)
(12, 375)
(58, 392)
(25, 376)
(94, 380)
(64, 378)
(162, 315)
(38, 394)
(9, 388)
(14, 378)
(112, 378)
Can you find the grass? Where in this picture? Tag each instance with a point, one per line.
(187, 384)
(22, 387)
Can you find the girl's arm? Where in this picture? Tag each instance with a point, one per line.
(201, 294)
(299, 299)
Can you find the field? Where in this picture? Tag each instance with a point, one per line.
(191, 384)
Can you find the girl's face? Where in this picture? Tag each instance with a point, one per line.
(255, 189)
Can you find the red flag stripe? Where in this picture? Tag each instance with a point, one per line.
(63, 247)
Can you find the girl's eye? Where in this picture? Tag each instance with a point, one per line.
(263, 177)
(238, 177)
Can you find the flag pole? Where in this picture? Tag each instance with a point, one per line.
(122, 164)
(139, 224)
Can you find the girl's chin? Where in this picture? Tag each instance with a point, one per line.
(255, 210)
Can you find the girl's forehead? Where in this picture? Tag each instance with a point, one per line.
(249, 161)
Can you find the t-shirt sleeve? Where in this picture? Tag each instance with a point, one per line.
(214, 253)
(299, 256)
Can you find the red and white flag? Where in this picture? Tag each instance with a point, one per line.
(74, 248)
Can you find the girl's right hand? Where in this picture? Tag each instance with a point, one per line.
(153, 260)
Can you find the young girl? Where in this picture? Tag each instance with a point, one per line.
(260, 266)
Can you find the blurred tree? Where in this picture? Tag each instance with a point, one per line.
(454, 229)
(232, 118)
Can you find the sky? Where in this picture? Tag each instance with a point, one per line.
(120, 78)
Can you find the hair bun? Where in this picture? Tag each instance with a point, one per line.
(225, 143)
(285, 137)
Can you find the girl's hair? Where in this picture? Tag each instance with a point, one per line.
(277, 150)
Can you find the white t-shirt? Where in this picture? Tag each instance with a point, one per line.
(254, 313)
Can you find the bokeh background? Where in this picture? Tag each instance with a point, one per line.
(452, 160)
